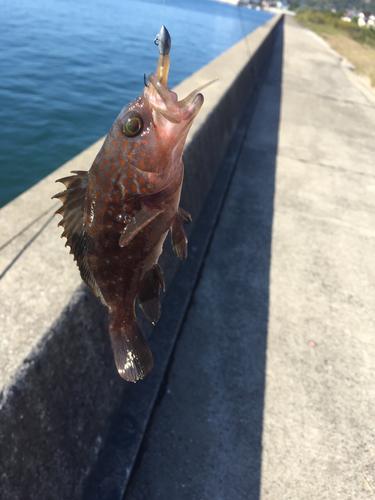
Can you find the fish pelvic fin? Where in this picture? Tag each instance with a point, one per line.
(149, 293)
(179, 238)
(72, 211)
(184, 215)
(138, 222)
(132, 354)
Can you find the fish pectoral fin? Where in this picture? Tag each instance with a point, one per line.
(149, 293)
(184, 215)
(137, 223)
(132, 354)
(179, 238)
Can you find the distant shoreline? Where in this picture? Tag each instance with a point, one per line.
(232, 2)
(273, 10)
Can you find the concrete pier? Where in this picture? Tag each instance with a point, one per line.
(271, 391)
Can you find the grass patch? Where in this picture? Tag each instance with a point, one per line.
(362, 56)
(322, 21)
(356, 44)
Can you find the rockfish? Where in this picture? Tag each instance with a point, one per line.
(117, 215)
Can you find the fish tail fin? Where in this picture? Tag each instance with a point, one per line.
(132, 354)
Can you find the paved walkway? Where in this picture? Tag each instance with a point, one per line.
(271, 393)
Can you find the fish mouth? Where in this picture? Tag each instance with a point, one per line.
(164, 102)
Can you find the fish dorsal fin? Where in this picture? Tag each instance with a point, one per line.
(179, 238)
(149, 293)
(72, 211)
(138, 222)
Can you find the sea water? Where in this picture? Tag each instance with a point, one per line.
(68, 67)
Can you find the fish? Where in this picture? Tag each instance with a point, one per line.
(116, 216)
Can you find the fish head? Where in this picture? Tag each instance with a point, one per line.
(150, 132)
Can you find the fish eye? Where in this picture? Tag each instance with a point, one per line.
(132, 125)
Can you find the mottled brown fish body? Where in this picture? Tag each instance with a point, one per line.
(120, 271)
(117, 216)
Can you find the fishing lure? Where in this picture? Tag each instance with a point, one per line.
(117, 215)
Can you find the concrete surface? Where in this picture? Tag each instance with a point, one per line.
(271, 389)
(59, 387)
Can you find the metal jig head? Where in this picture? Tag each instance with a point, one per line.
(163, 41)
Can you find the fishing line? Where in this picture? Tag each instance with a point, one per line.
(162, 14)
(243, 27)
(23, 249)
(252, 67)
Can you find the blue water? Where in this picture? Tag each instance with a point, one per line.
(68, 67)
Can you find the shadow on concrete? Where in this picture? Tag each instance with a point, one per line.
(204, 439)
(258, 183)
(45, 436)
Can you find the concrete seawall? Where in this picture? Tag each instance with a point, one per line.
(59, 385)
